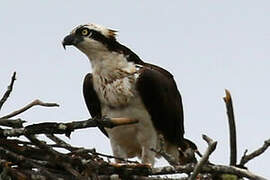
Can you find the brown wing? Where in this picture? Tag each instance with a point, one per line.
(92, 100)
(163, 101)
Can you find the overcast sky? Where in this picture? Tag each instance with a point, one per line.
(207, 45)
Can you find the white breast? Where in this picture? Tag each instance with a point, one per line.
(114, 81)
(119, 98)
(115, 93)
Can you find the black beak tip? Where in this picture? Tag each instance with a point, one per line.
(71, 40)
(68, 40)
(64, 45)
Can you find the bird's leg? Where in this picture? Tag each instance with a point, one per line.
(148, 141)
(117, 151)
(148, 156)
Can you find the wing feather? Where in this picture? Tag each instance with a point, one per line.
(162, 99)
(92, 100)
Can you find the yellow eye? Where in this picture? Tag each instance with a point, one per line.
(85, 32)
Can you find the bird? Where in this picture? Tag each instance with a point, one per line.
(123, 85)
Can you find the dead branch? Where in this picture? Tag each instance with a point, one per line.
(80, 150)
(93, 152)
(62, 160)
(65, 128)
(60, 142)
(15, 123)
(79, 160)
(36, 102)
(255, 153)
(155, 178)
(211, 147)
(8, 91)
(26, 161)
(233, 141)
(221, 169)
(35, 159)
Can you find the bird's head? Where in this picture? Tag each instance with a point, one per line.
(99, 43)
(91, 38)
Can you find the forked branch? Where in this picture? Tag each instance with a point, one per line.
(36, 102)
(211, 147)
(247, 157)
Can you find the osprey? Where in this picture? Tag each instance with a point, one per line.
(122, 85)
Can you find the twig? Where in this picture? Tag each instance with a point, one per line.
(211, 147)
(233, 142)
(61, 159)
(8, 91)
(65, 128)
(36, 158)
(15, 123)
(28, 106)
(255, 153)
(27, 161)
(79, 150)
(93, 151)
(60, 142)
(26, 150)
(135, 177)
(206, 169)
(8, 172)
(16, 141)
(132, 169)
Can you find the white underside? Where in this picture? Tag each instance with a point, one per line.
(133, 140)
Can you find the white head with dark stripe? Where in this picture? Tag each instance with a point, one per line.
(98, 43)
(91, 39)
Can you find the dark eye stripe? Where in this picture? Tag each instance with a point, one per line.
(98, 36)
(109, 42)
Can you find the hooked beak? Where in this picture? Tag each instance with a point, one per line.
(71, 39)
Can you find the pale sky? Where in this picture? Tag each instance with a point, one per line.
(207, 45)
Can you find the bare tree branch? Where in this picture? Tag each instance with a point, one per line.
(62, 160)
(211, 147)
(155, 178)
(60, 142)
(35, 159)
(8, 91)
(28, 106)
(15, 123)
(222, 169)
(27, 162)
(79, 150)
(233, 141)
(255, 153)
(65, 128)
(93, 151)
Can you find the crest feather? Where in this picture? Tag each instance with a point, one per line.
(109, 33)
(112, 33)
